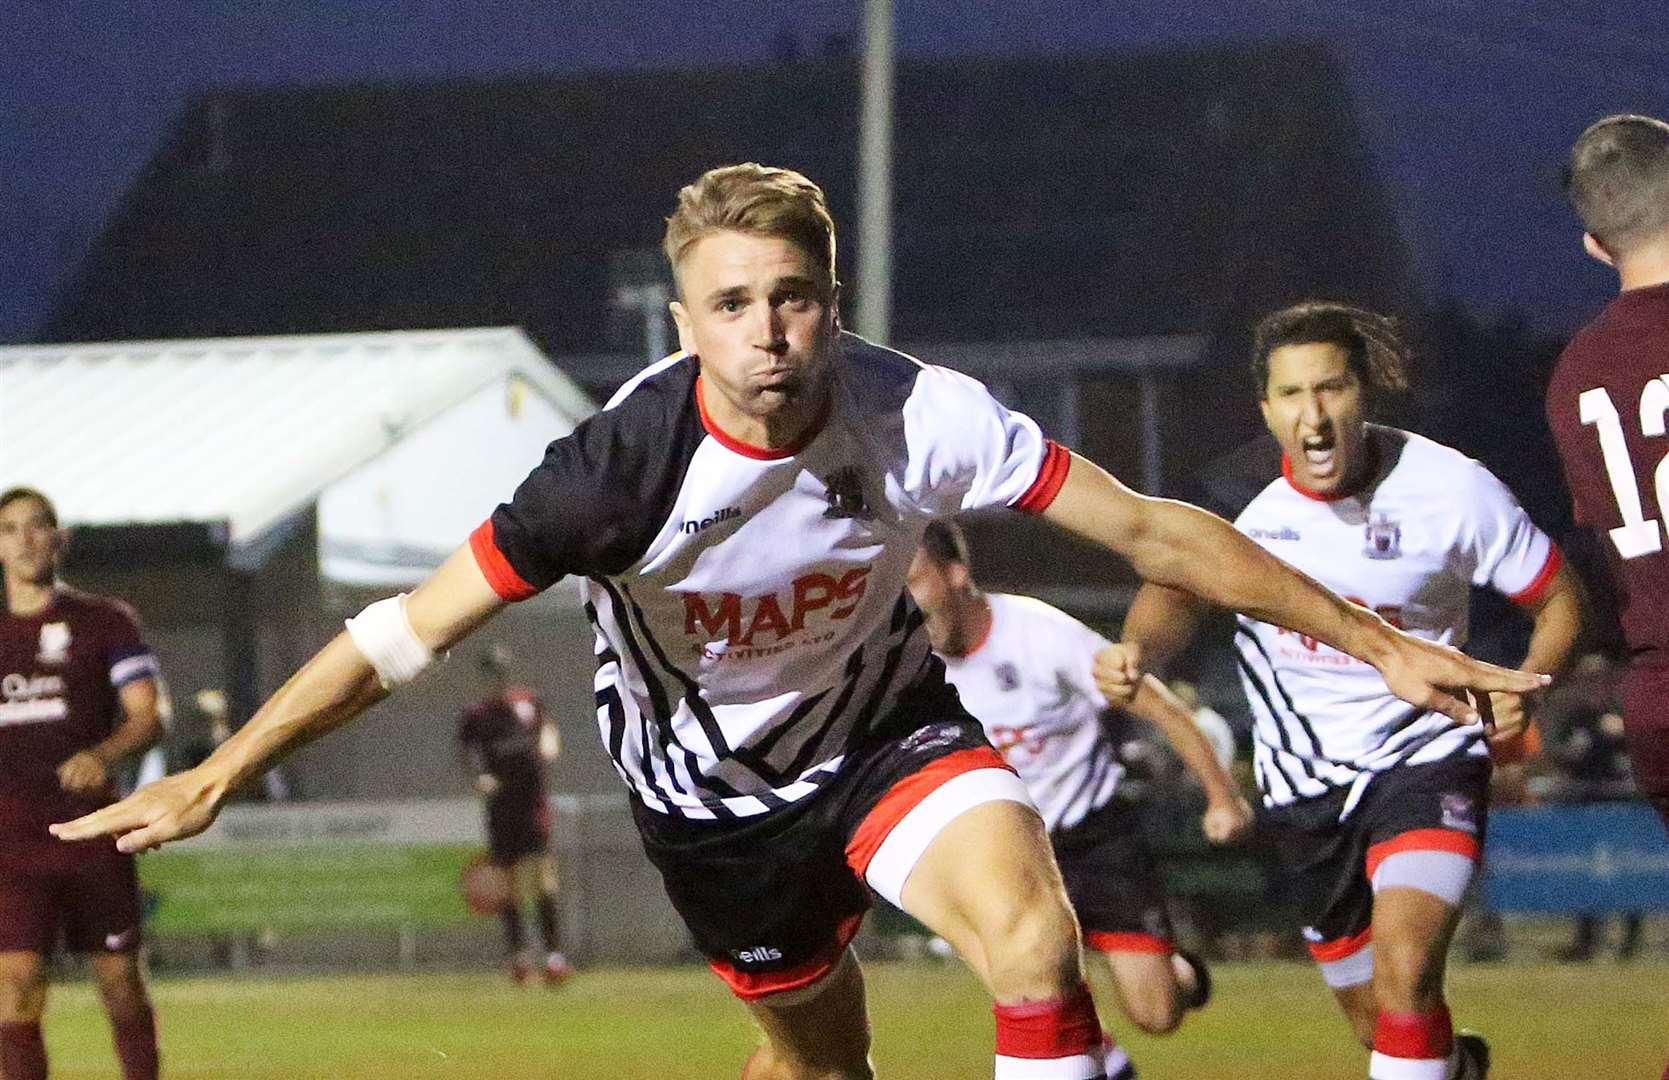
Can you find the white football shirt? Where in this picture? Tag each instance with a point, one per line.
(752, 621)
(1432, 524)
(1030, 683)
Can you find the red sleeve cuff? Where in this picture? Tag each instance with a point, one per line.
(1533, 593)
(508, 584)
(1057, 462)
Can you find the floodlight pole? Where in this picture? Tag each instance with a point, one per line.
(873, 315)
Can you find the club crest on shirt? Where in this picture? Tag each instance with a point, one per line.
(1384, 537)
(1459, 813)
(1008, 676)
(55, 643)
(846, 494)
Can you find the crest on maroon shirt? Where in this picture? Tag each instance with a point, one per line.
(55, 643)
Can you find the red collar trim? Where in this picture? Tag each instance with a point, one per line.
(746, 449)
(1318, 496)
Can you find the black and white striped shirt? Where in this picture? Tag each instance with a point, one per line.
(752, 622)
(1431, 524)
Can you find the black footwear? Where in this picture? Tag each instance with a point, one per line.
(1474, 1055)
(1202, 980)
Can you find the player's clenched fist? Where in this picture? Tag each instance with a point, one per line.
(172, 808)
(1227, 819)
(83, 772)
(1118, 673)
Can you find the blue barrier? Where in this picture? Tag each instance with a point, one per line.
(1597, 858)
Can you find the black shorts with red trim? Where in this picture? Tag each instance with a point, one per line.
(1329, 864)
(88, 905)
(772, 901)
(1114, 881)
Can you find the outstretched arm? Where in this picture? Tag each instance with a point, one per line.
(332, 688)
(1172, 543)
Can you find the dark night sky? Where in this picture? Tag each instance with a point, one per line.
(1469, 105)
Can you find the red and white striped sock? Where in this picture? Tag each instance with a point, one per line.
(1059, 1039)
(1412, 1046)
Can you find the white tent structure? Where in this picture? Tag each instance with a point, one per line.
(404, 441)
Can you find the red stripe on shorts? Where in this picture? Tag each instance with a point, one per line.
(905, 795)
(1328, 952)
(1125, 941)
(1423, 840)
(749, 985)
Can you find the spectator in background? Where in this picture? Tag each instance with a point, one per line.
(507, 741)
(1588, 746)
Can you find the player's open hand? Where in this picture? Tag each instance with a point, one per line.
(1227, 820)
(83, 772)
(172, 808)
(1118, 673)
(1446, 680)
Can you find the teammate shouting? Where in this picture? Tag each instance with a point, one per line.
(1376, 807)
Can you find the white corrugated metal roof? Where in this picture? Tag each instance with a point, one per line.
(245, 431)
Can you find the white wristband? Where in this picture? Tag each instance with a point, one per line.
(383, 634)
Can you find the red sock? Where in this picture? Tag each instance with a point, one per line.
(136, 1045)
(22, 1052)
(1063, 1031)
(1412, 1046)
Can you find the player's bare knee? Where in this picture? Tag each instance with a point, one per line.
(1407, 979)
(22, 988)
(1032, 948)
(1156, 1012)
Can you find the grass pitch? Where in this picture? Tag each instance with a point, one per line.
(932, 1022)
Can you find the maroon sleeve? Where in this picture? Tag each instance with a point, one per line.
(126, 656)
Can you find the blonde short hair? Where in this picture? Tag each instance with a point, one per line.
(757, 199)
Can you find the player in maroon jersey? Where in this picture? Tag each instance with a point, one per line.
(1608, 403)
(507, 740)
(78, 693)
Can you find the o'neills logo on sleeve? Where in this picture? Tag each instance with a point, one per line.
(25, 700)
(755, 623)
(695, 525)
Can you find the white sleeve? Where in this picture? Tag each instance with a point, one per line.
(967, 451)
(1509, 553)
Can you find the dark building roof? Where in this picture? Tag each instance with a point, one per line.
(1039, 196)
